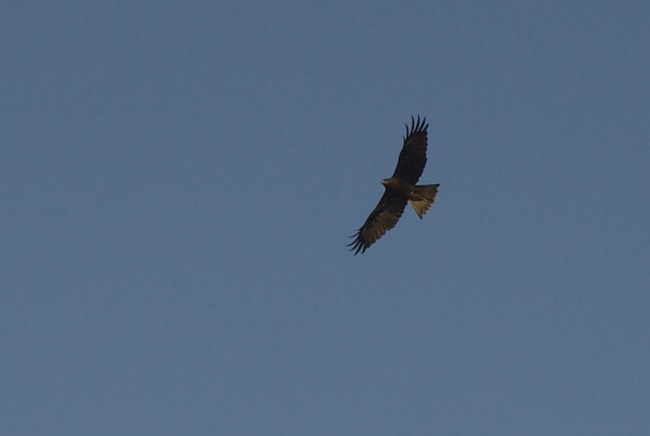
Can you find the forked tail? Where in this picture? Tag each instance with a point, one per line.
(423, 198)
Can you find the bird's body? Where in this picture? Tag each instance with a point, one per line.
(400, 189)
(421, 197)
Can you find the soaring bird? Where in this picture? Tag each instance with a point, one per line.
(400, 189)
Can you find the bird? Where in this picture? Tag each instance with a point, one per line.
(400, 189)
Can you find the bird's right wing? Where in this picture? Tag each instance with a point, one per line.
(383, 218)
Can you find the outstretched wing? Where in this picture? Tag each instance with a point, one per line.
(381, 219)
(413, 156)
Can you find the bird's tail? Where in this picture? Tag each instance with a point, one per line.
(423, 198)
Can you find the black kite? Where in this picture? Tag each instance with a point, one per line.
(400, 189)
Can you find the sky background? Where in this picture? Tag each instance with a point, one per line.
(178, 181)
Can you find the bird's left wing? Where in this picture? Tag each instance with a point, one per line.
(413, 156)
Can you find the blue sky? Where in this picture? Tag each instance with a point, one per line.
(179, 180)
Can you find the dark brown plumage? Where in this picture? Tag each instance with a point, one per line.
(400, 189)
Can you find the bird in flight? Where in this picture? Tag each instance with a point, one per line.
(400, 189)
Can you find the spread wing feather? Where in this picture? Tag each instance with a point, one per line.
(413, 156)
(383, 218)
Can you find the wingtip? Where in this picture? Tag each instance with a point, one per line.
(356, 246)
(417, 126)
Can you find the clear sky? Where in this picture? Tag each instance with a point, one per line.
(178, 181)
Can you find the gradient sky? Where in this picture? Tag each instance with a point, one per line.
(178, 181)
